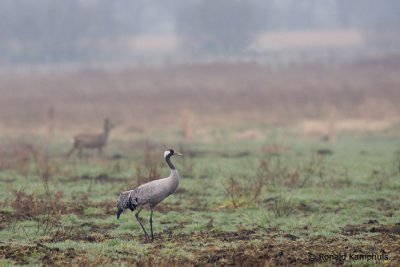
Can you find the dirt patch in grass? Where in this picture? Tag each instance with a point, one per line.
(46, 255)
(244, 235)
(85, 232)
(75, 235)
(97, 228)
(290, 252)
(108, 208)
(371, 226)
(163, 208)
(166, 208)
(217, 248)
(272, 249)
(7, 180)
(255, 248)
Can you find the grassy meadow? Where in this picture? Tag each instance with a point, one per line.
(288, 167)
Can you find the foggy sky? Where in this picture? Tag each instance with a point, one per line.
(70, 30)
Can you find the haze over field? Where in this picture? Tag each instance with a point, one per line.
(163, 32)
(264, 61)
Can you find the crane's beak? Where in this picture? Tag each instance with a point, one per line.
(179, 154)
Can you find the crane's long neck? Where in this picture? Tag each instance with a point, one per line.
(170, 165)
(174, 176)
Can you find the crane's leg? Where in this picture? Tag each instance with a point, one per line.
(137, 218)
(151, 223)
(80, 152)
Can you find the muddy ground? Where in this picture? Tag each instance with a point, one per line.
(258, 247)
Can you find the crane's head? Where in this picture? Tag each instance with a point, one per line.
(170, 152)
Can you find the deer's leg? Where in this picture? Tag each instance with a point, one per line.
(69, 153)
(74, 146)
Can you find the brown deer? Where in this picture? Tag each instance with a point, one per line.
(91, 141)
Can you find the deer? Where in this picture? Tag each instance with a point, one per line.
(92, 141)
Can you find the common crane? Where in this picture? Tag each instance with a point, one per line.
(150, 193)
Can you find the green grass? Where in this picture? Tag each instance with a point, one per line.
(302, 194)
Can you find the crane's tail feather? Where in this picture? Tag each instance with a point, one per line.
(119, 211)
(126, 200)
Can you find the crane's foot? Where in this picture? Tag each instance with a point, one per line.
(147, 239)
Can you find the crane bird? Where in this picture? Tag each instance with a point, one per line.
(150, 193)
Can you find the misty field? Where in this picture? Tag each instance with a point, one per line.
(281, 167)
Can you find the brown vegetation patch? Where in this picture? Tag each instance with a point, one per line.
(101, 178)
(7, 217)
(194, 153)
(322, 127)
(229, 95)
(30, 206)
(240, 154)
(16, 155)
(274, 150)
(180, 191)
(251, 134)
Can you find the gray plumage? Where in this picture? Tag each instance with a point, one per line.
(150, 193)
(92, 141)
